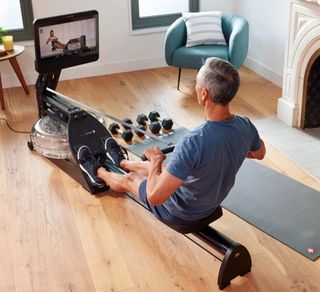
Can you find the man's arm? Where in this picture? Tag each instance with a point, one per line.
(161, 184)
(258, 154)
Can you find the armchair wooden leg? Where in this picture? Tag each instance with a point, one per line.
(179, 75)
(1, 95)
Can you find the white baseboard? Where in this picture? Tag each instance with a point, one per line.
(96, 69)
(264, 71)
(92, 69)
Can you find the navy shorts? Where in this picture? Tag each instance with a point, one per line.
(163, 215)
(159, 211)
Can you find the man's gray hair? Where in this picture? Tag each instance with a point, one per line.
(220, 78)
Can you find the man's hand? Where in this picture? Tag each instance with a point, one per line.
(161, 184)
(154, 154)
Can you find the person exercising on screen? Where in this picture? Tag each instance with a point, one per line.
(54, 41)
(204, 163)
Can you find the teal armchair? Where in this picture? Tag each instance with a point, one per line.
(235, 30)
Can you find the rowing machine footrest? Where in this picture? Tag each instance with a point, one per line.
(236, 260)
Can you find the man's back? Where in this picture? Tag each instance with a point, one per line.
(207, 160)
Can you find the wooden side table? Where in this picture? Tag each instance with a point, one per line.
(11, 56)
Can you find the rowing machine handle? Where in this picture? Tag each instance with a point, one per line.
(164, 151)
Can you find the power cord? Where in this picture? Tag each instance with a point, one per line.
(12, 129)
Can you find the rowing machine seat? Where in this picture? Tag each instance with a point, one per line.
(195, 226)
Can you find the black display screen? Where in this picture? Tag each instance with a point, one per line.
(65, 41)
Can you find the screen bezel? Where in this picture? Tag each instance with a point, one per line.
(50, 65)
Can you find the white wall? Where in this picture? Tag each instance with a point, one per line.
(120, 50)
(268, 22)
(220, 5)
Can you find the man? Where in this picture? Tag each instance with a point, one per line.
(204, 163)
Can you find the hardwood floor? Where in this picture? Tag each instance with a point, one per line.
(55, 236)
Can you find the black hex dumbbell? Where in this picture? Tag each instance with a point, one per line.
(141, 127)
(154, 127)
(167, 124)
(127, 121)
(126, 135)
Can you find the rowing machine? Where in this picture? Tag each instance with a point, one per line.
(64, 124)
(84, 129)
(235, 260)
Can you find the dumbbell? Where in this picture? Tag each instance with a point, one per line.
(141, 127)
(154, 127)
(127, 121)
(126, 135)
(167, 124)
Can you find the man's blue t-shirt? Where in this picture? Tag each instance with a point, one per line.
(207, 160)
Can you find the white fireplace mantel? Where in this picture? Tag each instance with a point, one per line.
(302, 44)
(313, 1)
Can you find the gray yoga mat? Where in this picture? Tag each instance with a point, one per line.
(281, 207)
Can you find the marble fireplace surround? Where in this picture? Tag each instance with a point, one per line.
(303, 47)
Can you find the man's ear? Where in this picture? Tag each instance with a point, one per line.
(204, 95)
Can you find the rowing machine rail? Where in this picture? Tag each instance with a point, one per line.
(236, 258)
(69, 100)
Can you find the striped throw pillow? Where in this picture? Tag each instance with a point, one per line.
(204, 28)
